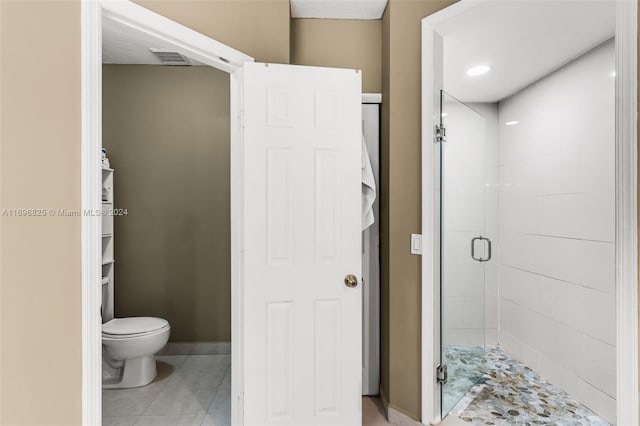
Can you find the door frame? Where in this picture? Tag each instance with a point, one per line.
(626, 100)
(371, 283)
(191, 44)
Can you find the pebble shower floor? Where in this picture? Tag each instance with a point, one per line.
(510, 393)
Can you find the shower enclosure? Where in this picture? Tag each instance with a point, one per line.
(464, 249)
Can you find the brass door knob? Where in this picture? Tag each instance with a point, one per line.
(351, 281)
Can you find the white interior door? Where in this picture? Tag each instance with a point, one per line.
(302, 325)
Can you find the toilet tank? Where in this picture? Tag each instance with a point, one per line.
(106, 308)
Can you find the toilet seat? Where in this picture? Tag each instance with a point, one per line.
(125, 328)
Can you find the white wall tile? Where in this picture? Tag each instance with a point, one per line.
(556, 207)
(463, 312)
(598, 266)
(491, 313)
(520, 349)
(520, 321)
(598, 166)
(597, 216)
(491, 336)
(520, 287)
(465, 337)
(597, 316)
(594, 398)
(463, 279)
(597, 364)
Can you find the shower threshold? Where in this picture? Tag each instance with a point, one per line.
(510, 393)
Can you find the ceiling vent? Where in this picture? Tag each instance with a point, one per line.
(170, 57)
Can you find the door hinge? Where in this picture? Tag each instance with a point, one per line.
(439, 134)
(441, 374)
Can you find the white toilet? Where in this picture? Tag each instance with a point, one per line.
(129, 346)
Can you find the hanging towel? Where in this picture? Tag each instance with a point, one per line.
(368, 188)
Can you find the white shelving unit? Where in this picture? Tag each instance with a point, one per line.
(108, 262)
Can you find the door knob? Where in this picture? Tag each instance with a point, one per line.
(351, 281)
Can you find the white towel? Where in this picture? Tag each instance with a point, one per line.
(368, 188)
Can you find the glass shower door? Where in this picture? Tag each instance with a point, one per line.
(464, 250)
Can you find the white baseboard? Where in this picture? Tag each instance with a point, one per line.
(196, 348)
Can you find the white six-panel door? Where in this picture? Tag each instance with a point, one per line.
(302, 325)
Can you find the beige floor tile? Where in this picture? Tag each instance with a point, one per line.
(134, 401)
(221, 402)
(173, 360)
(119, 421)
(126, 402)
(217, 419)
(187, 393)
(180, 420)
(207, 364)
(373, 412)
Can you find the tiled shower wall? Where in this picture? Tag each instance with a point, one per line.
(491, 219)
(557, 228)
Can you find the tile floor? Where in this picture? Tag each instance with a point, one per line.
(373, 412)
(190, 390)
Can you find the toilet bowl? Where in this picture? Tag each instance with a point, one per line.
(129, 347)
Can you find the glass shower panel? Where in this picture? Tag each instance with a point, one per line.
(464, 249)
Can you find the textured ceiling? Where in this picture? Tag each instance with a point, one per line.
(338, 9)
(123, 45)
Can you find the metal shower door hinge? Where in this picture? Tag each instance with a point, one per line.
(439, 134)
(441, 374)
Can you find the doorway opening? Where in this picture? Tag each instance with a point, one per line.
(525, 204)
(166, 135)
(131, 34)
(292, 129)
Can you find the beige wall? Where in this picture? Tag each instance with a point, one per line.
(40, 277)
(259, 28)
(401, 205)
(341, 44)
(166, 131)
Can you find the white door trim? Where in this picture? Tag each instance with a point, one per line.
(372, 98)
(191, 44)
(626, 213)
(430, 306)
(371, 260)
(91, 143)
(627, 410)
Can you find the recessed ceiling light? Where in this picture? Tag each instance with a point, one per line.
(511, 123)
(478, 70)
(444, 114)
(613, 74)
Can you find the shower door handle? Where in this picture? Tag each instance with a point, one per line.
(473, 249)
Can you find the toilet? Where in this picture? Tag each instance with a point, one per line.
(129, 346)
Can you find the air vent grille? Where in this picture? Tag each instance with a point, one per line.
(169, 57)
